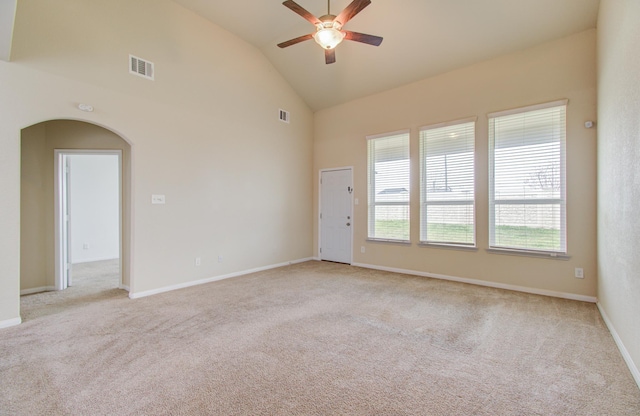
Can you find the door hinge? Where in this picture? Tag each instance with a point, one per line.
(321, 215)
(320, 250)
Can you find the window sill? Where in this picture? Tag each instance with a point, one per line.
(381, 240)
(529, 253)
(449, 246)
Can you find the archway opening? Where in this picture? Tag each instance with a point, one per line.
(41, 248)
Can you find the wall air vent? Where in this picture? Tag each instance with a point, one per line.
(284, 116)
(141, 67)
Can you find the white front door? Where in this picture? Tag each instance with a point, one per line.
(336, 216)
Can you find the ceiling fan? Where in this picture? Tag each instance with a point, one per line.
(329, 31)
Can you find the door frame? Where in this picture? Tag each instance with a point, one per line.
(321, 171)
(59, 175)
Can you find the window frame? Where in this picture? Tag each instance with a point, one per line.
(371, 186)
(423, 197)
(561, 201)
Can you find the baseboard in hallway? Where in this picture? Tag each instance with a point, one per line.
(37, 290)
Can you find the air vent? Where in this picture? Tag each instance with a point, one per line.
(140, 67)
(284, 116)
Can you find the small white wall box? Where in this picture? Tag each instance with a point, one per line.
(157, 199)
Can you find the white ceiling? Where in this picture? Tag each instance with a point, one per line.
(422, 38)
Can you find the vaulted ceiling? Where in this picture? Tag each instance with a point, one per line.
(422, 38)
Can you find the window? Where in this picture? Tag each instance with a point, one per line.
(389, 186)
(447, 185)
(527, 203)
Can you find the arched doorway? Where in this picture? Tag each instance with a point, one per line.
(40, 248)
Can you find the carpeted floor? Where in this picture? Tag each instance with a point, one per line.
(313, 339)
(93, 281)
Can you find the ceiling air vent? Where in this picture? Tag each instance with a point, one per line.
(284, 116)
(140, 67)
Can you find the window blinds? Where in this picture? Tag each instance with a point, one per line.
(389, 186)
(447, 185)
(527, 186)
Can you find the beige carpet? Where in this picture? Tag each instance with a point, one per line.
(314, 339)
(93, 281)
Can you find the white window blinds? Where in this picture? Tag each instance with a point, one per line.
(447, 185)
(527, 188)
(389, 186)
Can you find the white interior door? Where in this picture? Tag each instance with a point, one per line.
(63, 221)
(66, 231)
(64, 250)
(336, 216)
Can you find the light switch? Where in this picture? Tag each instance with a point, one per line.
(157, 199)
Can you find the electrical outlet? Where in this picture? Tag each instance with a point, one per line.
(579, 273)
(198, 261)
(219, 259)
(85, 246)
(362, 249)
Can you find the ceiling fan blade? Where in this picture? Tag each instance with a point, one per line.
(295, 7)
(329, 56)
(362, 38)
(351, 10)
(296, 40)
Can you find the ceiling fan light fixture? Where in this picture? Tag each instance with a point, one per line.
(328, 37)
(329, 33)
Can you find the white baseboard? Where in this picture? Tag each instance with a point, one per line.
(91, 260)
(635, 372)
(212, 279)
(306, 259)
(37, 290)
(515, 288)
(10, 322)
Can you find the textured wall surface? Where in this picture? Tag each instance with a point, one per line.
(619, 170)
(95, 208)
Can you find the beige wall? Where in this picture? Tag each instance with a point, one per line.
(561, 69)
(37, 224)
(33, 217)
(205, 133)
(618, 173)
